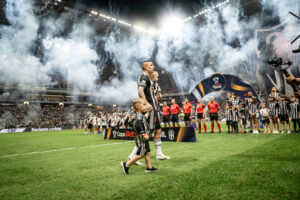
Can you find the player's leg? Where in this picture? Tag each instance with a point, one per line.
(204, 124)
(282, 125)
(199, 125)
(158, 148)
(236, 127)
(228, 126)
(253, 124)
(287, 120)
(177, 120)
(218, 124)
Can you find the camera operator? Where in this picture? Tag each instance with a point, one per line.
(290, 79)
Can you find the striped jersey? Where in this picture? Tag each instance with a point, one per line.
(253, 107)
(235, 115)
(228, 114)
(243, 112)
(283, 108)
(140, 126)
(236, 102)
(272, 108)
(295, 108)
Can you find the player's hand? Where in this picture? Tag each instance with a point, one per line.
(290, 78)
(149, 107)
(146, 137)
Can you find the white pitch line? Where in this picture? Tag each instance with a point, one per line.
(66, 149)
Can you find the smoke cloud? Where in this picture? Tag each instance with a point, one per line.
(224, 41)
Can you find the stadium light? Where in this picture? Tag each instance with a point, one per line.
(172, 24)
(204, 11)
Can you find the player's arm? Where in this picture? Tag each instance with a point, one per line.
(147, 114)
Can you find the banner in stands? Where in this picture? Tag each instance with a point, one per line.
(221, 82)
(20, 130)
(13, 130)
(172, 134)
(47, 129)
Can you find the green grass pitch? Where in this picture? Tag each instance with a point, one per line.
(71, 165)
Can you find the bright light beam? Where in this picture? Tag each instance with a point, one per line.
(171, 24)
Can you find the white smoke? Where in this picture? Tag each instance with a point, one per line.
(223, 41)
(18, 66)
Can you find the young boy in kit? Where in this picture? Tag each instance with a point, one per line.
(229, 117)
(243, 113)
(235, 120)
(265, 117)
(283, 116)
(141, 138)
(273, 113)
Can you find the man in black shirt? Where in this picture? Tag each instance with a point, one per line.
(146, 91)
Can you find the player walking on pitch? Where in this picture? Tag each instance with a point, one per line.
(146, 91)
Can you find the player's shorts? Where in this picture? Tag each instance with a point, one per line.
(154, 121)
(283, 118)
(266, 121)
(228, 122)
(213, 116)
(234, 124)
(200, 115)
(187, 116)
(244, 121)
(174, 117)
(90, 126)
(143, 148)
(166, 118)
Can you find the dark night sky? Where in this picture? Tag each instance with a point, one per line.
(148, 11)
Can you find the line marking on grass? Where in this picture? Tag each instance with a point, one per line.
(65, 149)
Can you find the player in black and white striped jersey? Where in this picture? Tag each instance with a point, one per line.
(243, 113)
(90, 122)
(146, 91)
(253, 112)
(295, 113)
(273, 113)
(247, 102)
(228, 111)
(235, 119)
(283, 113)
(236, 101)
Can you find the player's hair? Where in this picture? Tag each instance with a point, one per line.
(282, 96)
(143, 63)
(136, 102)
(154, 73)
(235, 94)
